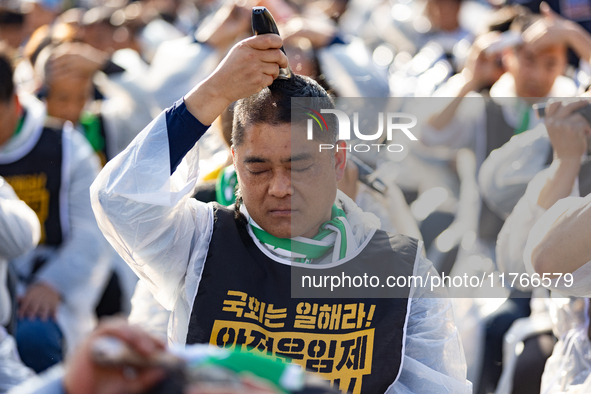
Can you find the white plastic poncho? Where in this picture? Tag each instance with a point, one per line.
(19, 232)
(581, 284)
(147, 313)
(514, 234)
(506, 172)
(390, 208)
(163, 234)
(568, 370)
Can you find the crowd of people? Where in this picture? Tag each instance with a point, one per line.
(151, 169)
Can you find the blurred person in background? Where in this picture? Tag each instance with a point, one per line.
(568, 174)
(558, 242)
(96, 29)
(524, 71)
(523, 163)
(579, 12)
(39, 13)
(66, 73)
(19, 233)
(443, 21)
(51, 168)
(533, 71)
(12, 22)
(527, 71)
(506, 172)
(179, 64)
(184, 15)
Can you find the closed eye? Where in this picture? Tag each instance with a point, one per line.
(301, 169)
(257, 172)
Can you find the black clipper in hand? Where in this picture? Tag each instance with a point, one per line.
(540, 110)
(263, 23)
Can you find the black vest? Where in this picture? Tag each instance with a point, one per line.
(585, 178)
(244, 302)
(37, 180)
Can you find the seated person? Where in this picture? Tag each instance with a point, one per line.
(556, 241)
(209, 264)
(51, 169)
(19, 233)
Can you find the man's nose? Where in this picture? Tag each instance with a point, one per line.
(280, 185)
(538, 75)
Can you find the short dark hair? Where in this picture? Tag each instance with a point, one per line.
(6, 77)
(11, 18)
(273, 105)
(523, 21)
(501, 19)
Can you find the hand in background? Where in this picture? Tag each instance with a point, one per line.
(84, 376)
(567, 129)
(40, 301)
(227, 25)
(483, 68)
(78, 59)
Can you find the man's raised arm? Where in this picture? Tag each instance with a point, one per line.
(565, 247)
(251, 65)
(141, 198)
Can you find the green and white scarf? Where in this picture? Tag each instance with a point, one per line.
(226, 185)
(335, 234)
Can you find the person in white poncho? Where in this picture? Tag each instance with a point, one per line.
(19, 233)
(51, 168)
(225, 274)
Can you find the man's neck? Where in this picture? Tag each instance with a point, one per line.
(316, 228)
(17, 129)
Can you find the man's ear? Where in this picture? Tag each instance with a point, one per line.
(340, 159)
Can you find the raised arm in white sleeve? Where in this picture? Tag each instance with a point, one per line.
(146, 213)
(559, 243)
(513, 236)
(506, 172)
(142, 198)
(462, 129)
(566, 131)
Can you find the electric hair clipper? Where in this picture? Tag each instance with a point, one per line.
(540, 109)
(263, 23)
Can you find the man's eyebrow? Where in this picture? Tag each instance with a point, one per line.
(255, 159)
(258, 159)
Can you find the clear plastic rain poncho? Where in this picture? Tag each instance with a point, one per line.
(163, 234)
(19, 232)
(568, 370)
